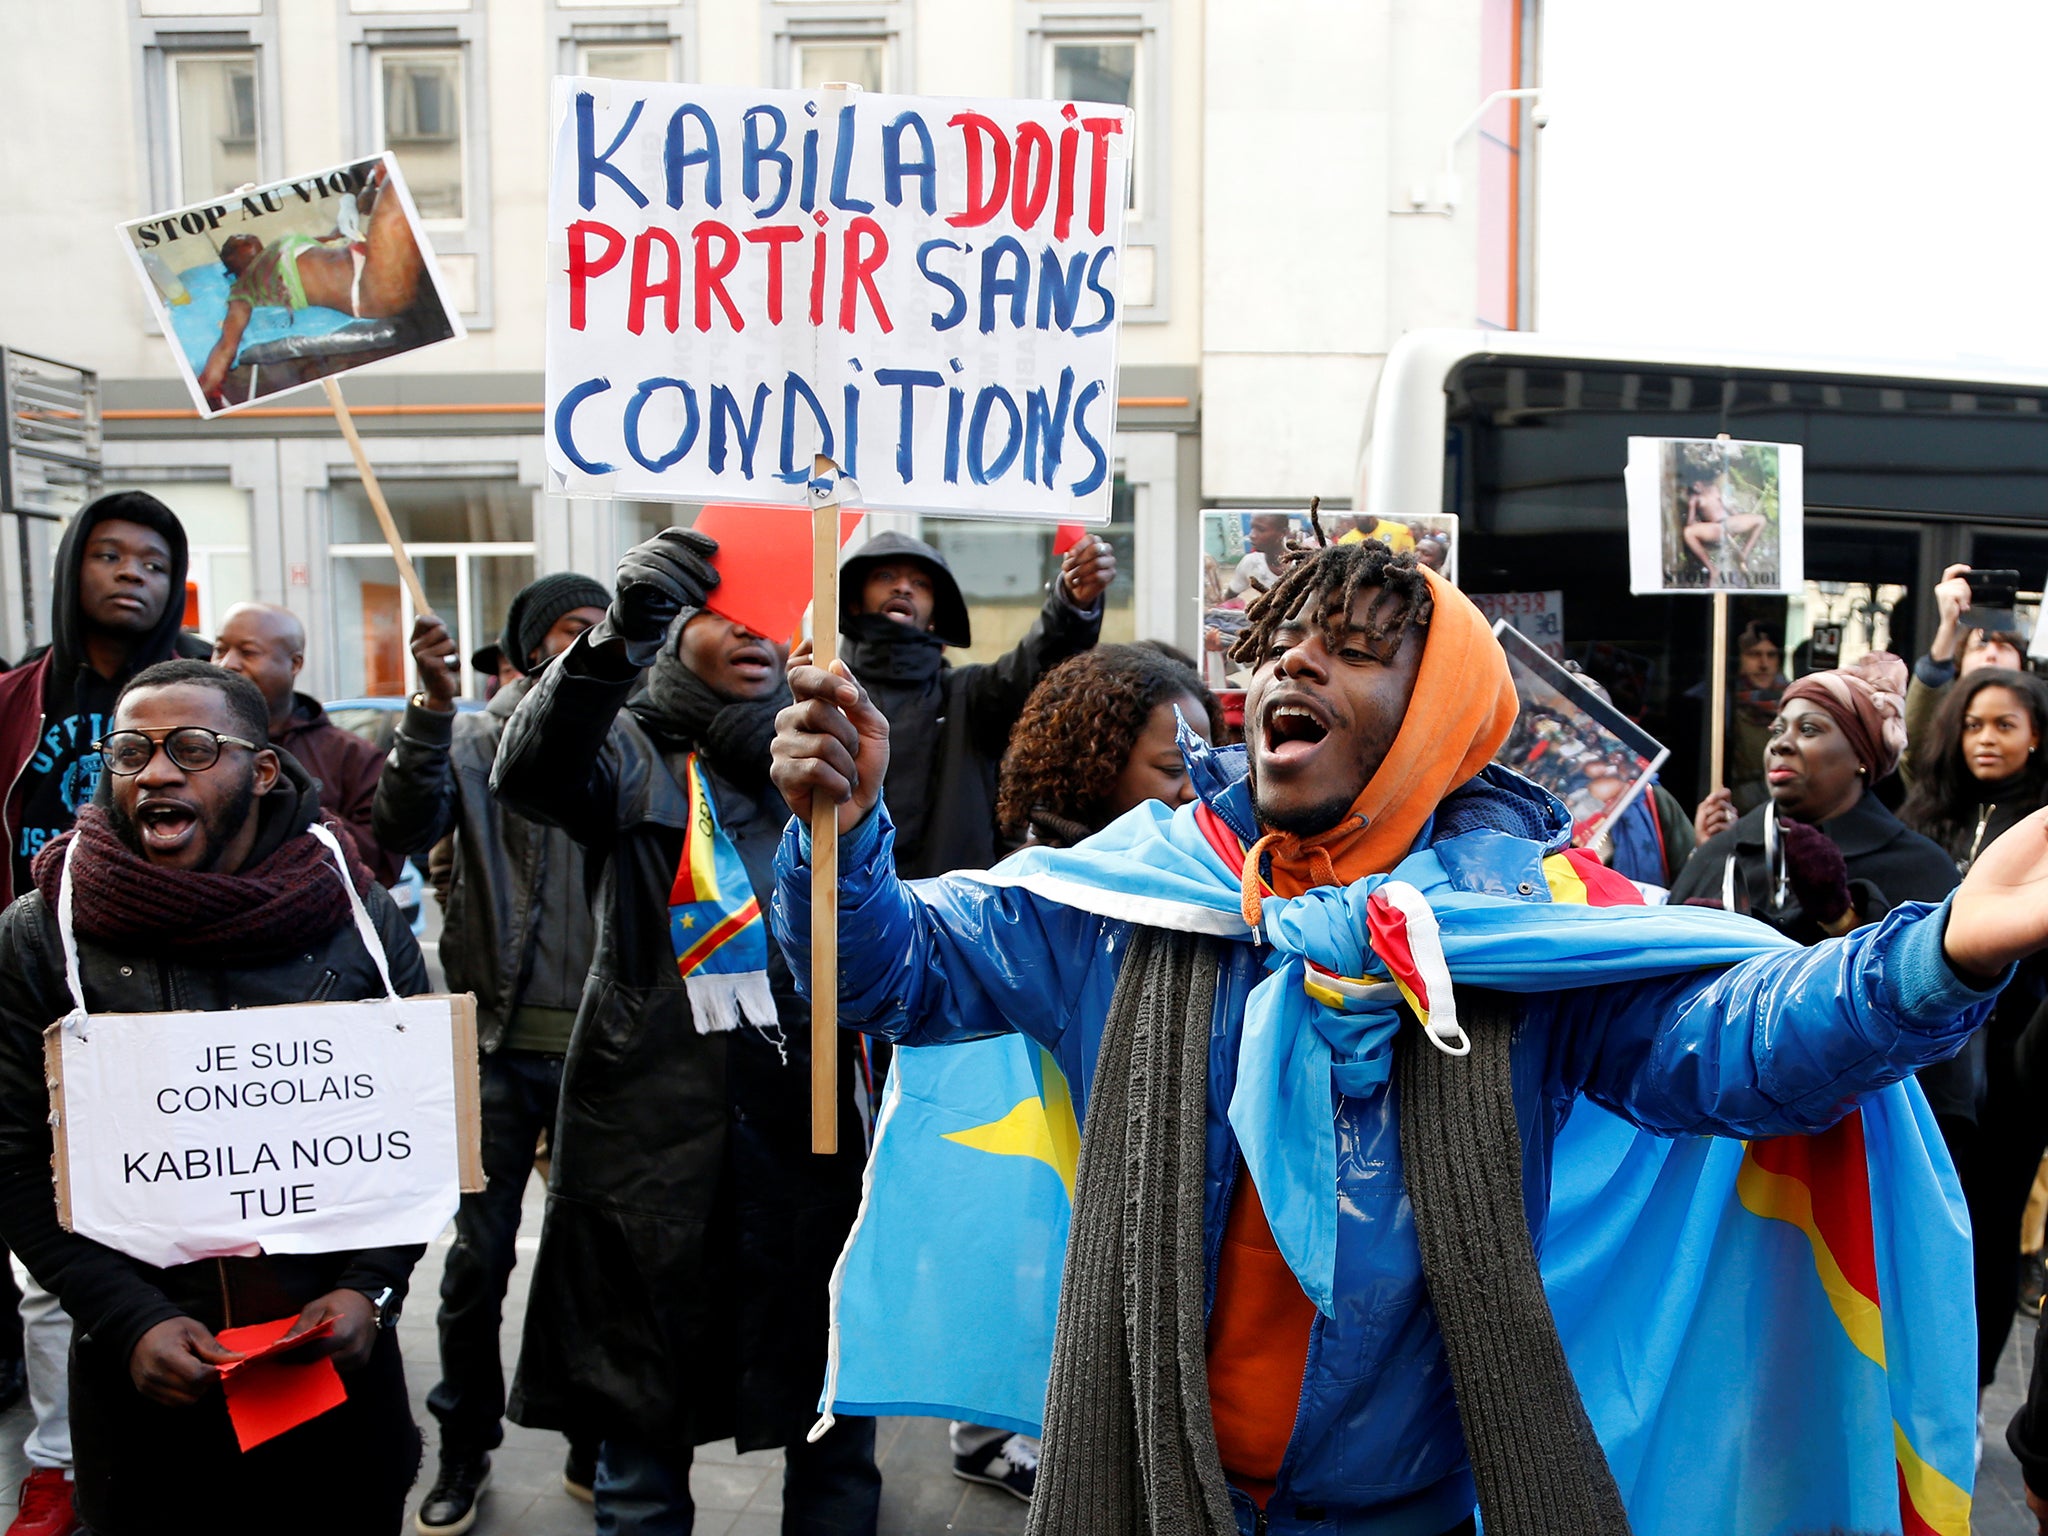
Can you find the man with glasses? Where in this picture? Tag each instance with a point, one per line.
(117, 603)
(197, 884)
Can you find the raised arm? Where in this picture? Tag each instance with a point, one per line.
(943, 960)
(1070, 623)
(557, 761)
(415, 806)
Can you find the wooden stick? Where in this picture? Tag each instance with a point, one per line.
(1718, 666)
(824, 843)
(406, 573)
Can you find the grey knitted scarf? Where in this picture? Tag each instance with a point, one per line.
(1130, 1447)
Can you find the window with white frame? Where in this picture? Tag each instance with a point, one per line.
(625, 59)
(1082, 68)
(818, 61)
(827, 42)
(1089, 50)
(418, 105)
(213, 125)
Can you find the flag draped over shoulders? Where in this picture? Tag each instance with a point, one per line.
(1749, 1336)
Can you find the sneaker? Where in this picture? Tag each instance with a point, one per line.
(579, 1474)
(1010, 1464)
(46, 1505)
(2033, 1282)
(450, 1505)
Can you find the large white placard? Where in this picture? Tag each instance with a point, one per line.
(309, 1128)
(1715, 515)
(923, 289)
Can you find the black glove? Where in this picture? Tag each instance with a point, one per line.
(657, 581)
(1816, 871)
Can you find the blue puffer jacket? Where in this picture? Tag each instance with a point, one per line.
(1782, 1043)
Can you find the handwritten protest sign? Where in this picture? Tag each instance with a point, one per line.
(307, 1128)
(923, 290)
(266, 289)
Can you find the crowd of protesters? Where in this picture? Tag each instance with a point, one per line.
(619, 845)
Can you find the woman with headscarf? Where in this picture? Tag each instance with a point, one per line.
(1823, 854)
(1979, 771)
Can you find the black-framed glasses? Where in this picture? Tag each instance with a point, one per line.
(192, 747)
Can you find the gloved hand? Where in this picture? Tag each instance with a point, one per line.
(658, 579)
(1816, 871)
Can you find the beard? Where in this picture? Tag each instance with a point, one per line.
(217, 826)
(1302, 821)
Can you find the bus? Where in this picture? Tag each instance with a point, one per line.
(1523, 436)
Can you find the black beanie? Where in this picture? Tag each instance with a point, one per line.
(539, 604)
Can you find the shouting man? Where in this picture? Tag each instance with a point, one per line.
(198, 885)
(1292, 1281)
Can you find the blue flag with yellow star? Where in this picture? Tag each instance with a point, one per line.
(977, 1143)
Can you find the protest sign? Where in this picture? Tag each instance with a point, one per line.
(1573, 742)
(1713, 515)
(301, 1128)
(922, 290)
(266, 289)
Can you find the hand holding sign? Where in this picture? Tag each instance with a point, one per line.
(832, 741)
(433, 654)
(1087, 571)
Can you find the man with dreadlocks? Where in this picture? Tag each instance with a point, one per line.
(1325, 1021)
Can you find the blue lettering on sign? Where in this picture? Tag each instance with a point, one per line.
(590, 166)
(565, 413)
(754, 154)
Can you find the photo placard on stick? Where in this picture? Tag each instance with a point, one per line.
(923, 290)
(264, 290)
(1573, 742)
(1715, 515)
(296, 1128)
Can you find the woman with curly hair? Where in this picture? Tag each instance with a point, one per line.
(1097, 739)
(1978, 772)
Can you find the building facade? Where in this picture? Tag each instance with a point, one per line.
(1290, 217)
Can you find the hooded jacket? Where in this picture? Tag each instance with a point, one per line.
(112, 1298)
(42, 723)
(948, 726)
(1775, 1045)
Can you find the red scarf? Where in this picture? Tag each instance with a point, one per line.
(290, 899)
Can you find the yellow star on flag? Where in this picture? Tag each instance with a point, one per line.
(689, 921)
(1041, 1127)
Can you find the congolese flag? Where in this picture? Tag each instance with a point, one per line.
(1771, 1338)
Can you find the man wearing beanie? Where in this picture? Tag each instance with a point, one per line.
(117, 603)
(516, 932)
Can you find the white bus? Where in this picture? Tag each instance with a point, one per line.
(1522, 436)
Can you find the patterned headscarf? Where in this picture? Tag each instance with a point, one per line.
(1867, 699)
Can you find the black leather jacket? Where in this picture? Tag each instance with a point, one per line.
(517, 927)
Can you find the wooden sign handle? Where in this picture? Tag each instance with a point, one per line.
(825, 851)
(1718, 669)
(375, 492)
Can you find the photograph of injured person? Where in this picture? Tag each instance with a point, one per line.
(273, 287)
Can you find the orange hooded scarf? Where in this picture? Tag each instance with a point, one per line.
(1463, 708)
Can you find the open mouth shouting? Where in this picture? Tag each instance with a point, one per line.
(1294, 726)
(752, 660)
(165, 825)
(900, 608)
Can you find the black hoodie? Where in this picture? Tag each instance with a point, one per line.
(58, 771)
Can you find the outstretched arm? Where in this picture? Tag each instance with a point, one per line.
(1780, 1043)
(1070, 623)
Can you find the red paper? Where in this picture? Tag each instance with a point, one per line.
(267, 1394)
(1066, 536)
(764, 564)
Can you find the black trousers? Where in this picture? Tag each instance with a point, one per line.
(1997, 1174)
(519, 1094)
(345, 1473)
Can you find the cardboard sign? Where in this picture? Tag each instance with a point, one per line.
(1712, 515)
(922, 289)
(1539, 615)
(302, 1128)
(263, 290)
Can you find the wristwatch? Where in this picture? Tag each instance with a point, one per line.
(386, 1310)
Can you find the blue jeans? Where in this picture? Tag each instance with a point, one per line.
(828, 1489)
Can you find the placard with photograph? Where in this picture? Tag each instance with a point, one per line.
(1713, 515)
(1571, 741)
(1244, 551)
(267, 289)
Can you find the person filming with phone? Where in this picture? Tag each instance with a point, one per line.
(1960, 648)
